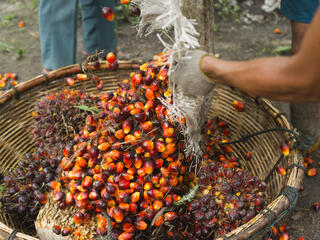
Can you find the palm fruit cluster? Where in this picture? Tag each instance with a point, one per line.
(8, 80)
(128, 161)
(227, 196)
(56, 120)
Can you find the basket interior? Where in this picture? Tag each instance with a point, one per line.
(16, 140)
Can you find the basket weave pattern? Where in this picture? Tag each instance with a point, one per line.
(17, 104)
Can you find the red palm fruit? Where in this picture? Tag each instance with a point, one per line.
(148, 145)
(149, 94)
(141, 172)
(308, 161)
(148, 167)
(284, 236)
(127, 126)
(168, 132)
(165, 171)
(139, 105)
(81, 204)
(125, 236)
(248, 156)
(81, 77)
(133, 208)
(160, 146)
(158, 221)
(174, 167)
(78, 218)
(99, 86)
(111, 203)
(158, 162)
(154, 85)
(168, 201)
(316, 206)
(157, 205)
(284, 228)
(175, 197)
(69, 199)
(107, 14)
(312, 172)
(156, 194)
(111, 57)
(56, 229)
(281, 170)
(122, 196)
(127, 176)
(105, 146)
(58, 196)
(301, 238)
(149, 105)
(169, 216)
(69, 81)
(155, 179)
(117, 214)
(124, 184)
(83, 196)
(87, 182)
(119, 167)
(135, 197)
(173, 181)
(93, 195)
(128, 227)
(284, 149)
(141, 225)
(119, 134)
(75, 174)
(115, 154)
(239, 105)
(66, 231)
(146, 126)
(136, 79)
(274, 231)
(140, 117)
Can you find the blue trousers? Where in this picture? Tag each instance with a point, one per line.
(301, 11)
(58, 30)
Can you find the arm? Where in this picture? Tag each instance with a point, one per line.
(295, 78)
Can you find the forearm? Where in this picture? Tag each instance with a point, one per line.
(277, 78)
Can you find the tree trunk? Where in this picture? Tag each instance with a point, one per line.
(203, 12)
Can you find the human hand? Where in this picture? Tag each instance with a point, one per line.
(189, 76)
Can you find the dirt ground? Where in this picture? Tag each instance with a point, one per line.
(252, 37)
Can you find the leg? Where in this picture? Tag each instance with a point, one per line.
(98, 34)
(57, 27)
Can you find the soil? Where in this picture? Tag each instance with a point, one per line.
(235, 39)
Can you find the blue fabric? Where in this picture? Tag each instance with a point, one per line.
(299, 10)
(58, 30)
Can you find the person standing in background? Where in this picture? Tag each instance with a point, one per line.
(58, 30)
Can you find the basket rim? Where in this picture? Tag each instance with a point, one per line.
(258, 223)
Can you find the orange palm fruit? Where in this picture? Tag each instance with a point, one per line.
(284, 236)
(125, 1)
(160, 146)
(312, 172)
(124, 207)
(158, 221)
(126, 236)
(149, 94)
(81, 77)
(128, 227)
(135, 197)
(168, 132)
(141, 225)
(285, 149)
(119, 167)
(87, 182)
(148, 145)
(110, 57)
(146, 126)
(157, 205)
(147, 186)
(105, 146)
(117, 214)
(70, 81)
(239, 106)
(108, 14)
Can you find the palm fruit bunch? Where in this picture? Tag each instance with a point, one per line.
(227, 196)
(128, 161)
(56, 120)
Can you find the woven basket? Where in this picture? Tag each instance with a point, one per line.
(16, 106)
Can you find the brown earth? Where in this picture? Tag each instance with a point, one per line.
(20, 53)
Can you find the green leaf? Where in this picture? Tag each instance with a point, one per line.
(189, 196)
(281, 49)
(88, 109)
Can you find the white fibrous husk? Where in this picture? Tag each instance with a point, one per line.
(179, 35)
